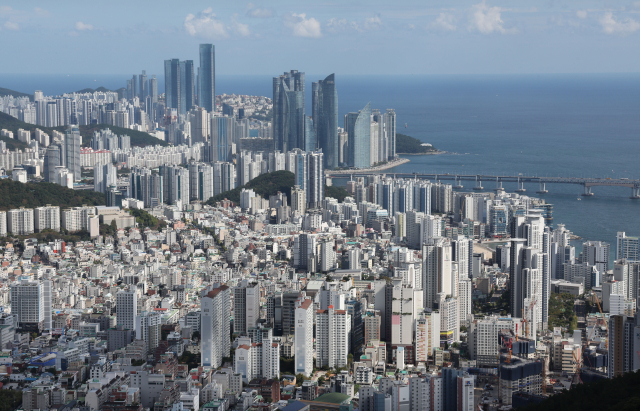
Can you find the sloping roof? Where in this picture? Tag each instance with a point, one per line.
(294, 406)
(332, 398)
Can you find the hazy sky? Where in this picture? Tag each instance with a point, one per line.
(346, 37)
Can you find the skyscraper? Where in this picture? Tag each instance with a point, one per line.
(304, 336)
(134, 86)
(143, 85)
(172, 84)
(72, 142)
(104, 176)
(325, 119)
(390, 130)
(187, 86)
(51, 161)
(207, 77)
(153, 89)
(288, 111)
(215, 326)
(127, 308)
(359, 134)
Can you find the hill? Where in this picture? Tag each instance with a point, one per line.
(138, 138)
(14, 194)
(93, 90)
(338, 193)
(7, 92)
(264, 185)
(12, 124)
(410, 145)
(617, 394)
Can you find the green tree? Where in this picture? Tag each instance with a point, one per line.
(300, 378)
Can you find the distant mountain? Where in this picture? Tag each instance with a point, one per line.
(92, 90)
(7, 92)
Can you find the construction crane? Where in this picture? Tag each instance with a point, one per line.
(606, 323)
(507, 343)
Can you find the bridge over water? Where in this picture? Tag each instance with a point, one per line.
(478, 179)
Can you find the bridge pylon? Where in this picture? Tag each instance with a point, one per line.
(543, 189)
(587, 191)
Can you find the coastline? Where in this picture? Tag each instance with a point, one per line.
(382, 167)
(430, 153)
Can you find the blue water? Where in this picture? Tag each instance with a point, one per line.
(546, 125)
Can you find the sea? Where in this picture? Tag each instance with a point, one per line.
(571, 125)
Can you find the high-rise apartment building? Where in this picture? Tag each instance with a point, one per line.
(246, 306)
(104, 176)
(47, 218)
(358, 127)
(215, 326)
(31, 303)
(20, 221)
(288, 111)
(207, 78)
(332, 337)
(127, 308)
(325, 119)
(304, 336)
(627, 247)
(72, 142)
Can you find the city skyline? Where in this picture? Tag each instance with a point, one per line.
(463, 37)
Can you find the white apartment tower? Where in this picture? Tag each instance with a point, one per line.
(127, 308)
(47, 217)
(215, 326)
(20, 221)
(332, 338)
(304, 336)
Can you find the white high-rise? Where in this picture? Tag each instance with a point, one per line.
(47, 218)
(304, 336)
(332, 338)
(31, 303)
(215, 326)
(127, 308)
(20, 221)
(437, 276)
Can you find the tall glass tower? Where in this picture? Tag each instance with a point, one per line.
(359, 134)
(172, 84)
(288, 111)
(207, 77)
(325, 118)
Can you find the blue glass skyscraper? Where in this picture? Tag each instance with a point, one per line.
(288, 111)
(325, 118)
(207, 77)
(359, 136)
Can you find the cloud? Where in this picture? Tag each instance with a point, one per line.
(205, 25)
(335, 25)
(445, 21)
(257, 12)
(240, 28)
(6, 10)
(41, 12)
(373, 23)
(11, 25)
(486, 19)
(581, 14)
(301, 26)
(80, 26)
(623, 26)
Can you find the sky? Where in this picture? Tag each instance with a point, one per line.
(347, 37)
